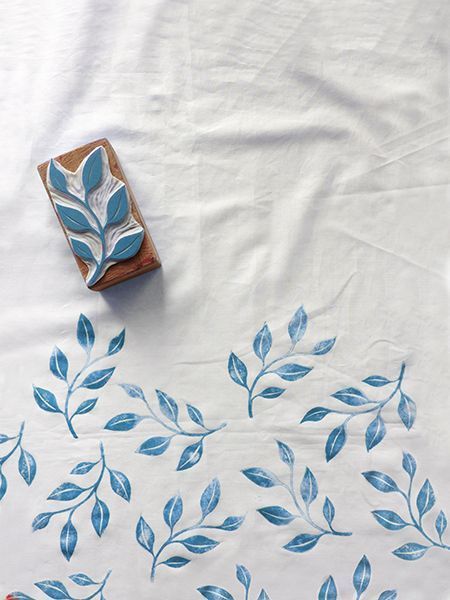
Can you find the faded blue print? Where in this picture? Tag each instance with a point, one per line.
(55, 589)
(212, 592)
(26, 463)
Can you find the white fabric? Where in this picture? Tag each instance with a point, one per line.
(282, 153)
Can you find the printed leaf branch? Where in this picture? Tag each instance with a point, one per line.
(55, 589)
(212, 592)
(26, 462)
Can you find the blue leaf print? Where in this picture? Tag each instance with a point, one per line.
(57, 178)
(81, 250)
(288, 371)
(361, 576)
(53, 589)
(26, 463)
(117, 208)
(92, 170)
(127, 246)
(169, 409)
(116, 344)
(3, 485)
(58, 591)
(195, 543)
(263, 595)
(425, 502)
(59, 365)
(388, 595)
(328, 590)
(243, 576)
(278, 515)
(360, 404)
(212, 592)
(73, 219)
(67, 492)
(81, 579)
(27, 466)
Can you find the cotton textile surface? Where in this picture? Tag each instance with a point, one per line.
(283, 154)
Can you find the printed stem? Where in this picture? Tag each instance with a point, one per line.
(100, 589)
(18, 443)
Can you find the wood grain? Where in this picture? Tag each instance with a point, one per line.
(147, 258)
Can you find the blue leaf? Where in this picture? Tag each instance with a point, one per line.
(231, 524)
(286, 453)
(409, 464)
(292, 371)
(389, 519)
(302, 543)
(3, 485)
(120, 484)
(410, 551)
(190, 456)
(315, 414)
(116, 344)
(198, 544)
(308, 487)
(72, 218)
(407, 411)
(85, 333)
(271, 393)
(82, 468)
(351, 396)
(297, 325)
(46, 400)
(124, 422)
(210, 498)
(263, 595)
(425, 498)
(145, 535)
(237, 370)
(92, 170)
(261, 477)
(168, 406)
(277, 515)
(375, 432)
(27, 466)
(324, 347)
(173, 511)
(127, 246)
(98, 379)
(134, 391)
(82, 579)
(335, 442)
(82, 250)
(59, 364)
(57, 177)
(243, 576)
(328, 590)
(53, 589)
(66, 491)
(441, 524)
(381, 481)
(117, 208)
(361, 576)
(176, 562)
(262, 342)
(195, 415)
(41, 521)
(154, 446)
(388, 595)
(328, 511)
(68, 539)
(376, 380)
(4, 438)
(100, 516)
(212, 592)
(85, 407)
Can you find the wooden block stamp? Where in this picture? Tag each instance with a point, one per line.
(99, 215)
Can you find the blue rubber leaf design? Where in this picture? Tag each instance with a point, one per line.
(116, 344)
(176, 562)
(190, 456)
(27, 466)
(3, 485)
(100, 516)
(237, 370)
(173, 511)
(271, 392)
(68, 539)
(92, 170)
(407, 411)
(292, 371)
(212, 592)
(328, 590)
(324, 347)
(388, 595)
(82, 468)
(195, 415)
(198, 544)
(124, 422)
(86, 406)
(85, 333)
(66, 491)
(53, 589)
(376, 380)
(231, 523)
(261, 477)
(120, 484)
(302, 543)
(381, 481)
(308, 487)
(361, 576)
(127, 246)
(46, 400)
(82, 579)
(335, 442)
(315, 414)
(328, 511)
(145, 535)
(41, 521)
(425, 498)
(375, 432)
(98, 379)
(210, 498)
(351, 396)
(277, 515)
(154, 446)
(168, 406)
(57, 178)
(134, 391)
(389, 519)
(409, 464)
(441, 524)
(297, 325)
(410, 551)
(59, 364)
(262, 342)
(82, 250)
(117, 208)
(243, 576)
(286, 453)
(72, 218)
